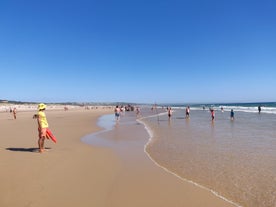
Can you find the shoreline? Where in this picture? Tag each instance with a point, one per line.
(233, 159)
(154, 166)
(74, 173)
(175, 174)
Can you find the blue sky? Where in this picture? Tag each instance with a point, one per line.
(146, 51)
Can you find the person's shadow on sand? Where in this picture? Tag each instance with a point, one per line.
(19, 149)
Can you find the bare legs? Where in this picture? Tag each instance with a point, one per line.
(41, 139)
(41, 144)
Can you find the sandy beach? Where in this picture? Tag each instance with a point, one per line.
(72, 173)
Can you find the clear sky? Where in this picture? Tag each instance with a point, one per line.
(147, 51)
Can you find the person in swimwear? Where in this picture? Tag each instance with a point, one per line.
(169, 112)
(117, 111)
(188, 112)
(232, 115)
(212, 114)
(14, 113)
(42, 125)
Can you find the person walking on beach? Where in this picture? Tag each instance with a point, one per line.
(187, 112)
(42, 125)
(117, 113)
(14, 113)
(232, 115)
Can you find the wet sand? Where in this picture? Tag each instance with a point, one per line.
(141, 182)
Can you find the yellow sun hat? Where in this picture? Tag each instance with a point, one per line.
(41, 106)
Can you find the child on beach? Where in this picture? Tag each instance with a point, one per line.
(42, 126)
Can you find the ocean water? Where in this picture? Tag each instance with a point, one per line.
(234, 159)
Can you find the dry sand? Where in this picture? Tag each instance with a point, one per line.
(72, 173)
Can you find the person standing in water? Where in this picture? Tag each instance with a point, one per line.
(259, 109)
(169, 112)
(232, 115)
(187, 112)
(212, 114)
(117, 111)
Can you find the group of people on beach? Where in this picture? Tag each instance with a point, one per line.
(232, 114)
(43, 123)
(212, 111)
(187, 111)
(120, 110)
(13, 112)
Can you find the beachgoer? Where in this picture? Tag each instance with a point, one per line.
(232, 114)
(117, 113)
(138, 111)
(169, 112)
(259, 109)
(212, 114)
(14, 113)
(187, 112)
(42, 125)
(122, 111)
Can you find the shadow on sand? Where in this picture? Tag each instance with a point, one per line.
(24, 149)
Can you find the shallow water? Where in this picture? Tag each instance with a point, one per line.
(236, 159)
(126, 137)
